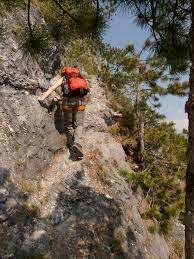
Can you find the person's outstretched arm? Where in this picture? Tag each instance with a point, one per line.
(43, 96)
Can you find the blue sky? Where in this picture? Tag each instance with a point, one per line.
(123, 30)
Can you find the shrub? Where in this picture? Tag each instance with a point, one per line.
(162, 165)
(154, 228)
(80, 52)
(11, 4)
(164, 194)
(126, 174)
(35, 43)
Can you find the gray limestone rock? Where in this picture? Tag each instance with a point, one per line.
(50, 205)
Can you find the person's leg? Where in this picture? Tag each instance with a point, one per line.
(59, 119)
(78, 120)
(68, 127)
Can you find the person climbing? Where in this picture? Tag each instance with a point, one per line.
(74, 88)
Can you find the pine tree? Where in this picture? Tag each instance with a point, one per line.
(135, 83)
(171, 24)
(140, 79)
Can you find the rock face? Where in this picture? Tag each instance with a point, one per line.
(28, 136)
(51, 206)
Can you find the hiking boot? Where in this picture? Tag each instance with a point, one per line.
(76, 150)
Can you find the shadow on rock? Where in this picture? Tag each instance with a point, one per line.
(59, 119)
(84, 223)
(4, 175)
(15, 217)
(88, 226)
(55, 107)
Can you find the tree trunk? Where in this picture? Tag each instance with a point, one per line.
(140, 120)
(189, 199)
(29, 21)
(141, 133)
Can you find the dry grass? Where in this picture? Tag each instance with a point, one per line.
(114, 129)
(27, 186)
(45, 199)
(95, 164)
(177, 249)
(20, 162)
(17, 146)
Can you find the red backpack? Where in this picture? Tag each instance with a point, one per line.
(69, 71)
(77, 84)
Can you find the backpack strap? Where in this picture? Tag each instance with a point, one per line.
(64, 87)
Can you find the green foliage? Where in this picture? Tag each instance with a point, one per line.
(180, 89)
(154, 212)
(17, 146)
(163, 164)
(126, 174)
(82, 52)
(169, 23)
(74, 26)
(166, 147)
(65, 22)
(166, 161)
(84, 19)
(91, 22)
(11, 4)
(164, 194)
(115, 246)
(134, 84)
(125, 70)
(162, 179)
(35, 43)
(54, 19)
(154, 228)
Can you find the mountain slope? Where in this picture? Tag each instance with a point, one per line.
(51, 206)
(76, 208)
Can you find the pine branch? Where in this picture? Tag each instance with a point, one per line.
(97, 11)
(60, 24)
(147, 20)
(66, 12)
(29, 21)
(154, 23)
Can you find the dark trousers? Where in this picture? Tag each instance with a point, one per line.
(73, 124)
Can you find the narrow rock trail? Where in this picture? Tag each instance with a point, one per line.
(70, 199)
(50, 206)
(82, 209)
(63, 172)
(76, 210)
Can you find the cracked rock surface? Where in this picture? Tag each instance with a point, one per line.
(58, 208)
(51, 206)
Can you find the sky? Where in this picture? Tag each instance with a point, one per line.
(123, 30)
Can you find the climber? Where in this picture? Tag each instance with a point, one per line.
(74, 90)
